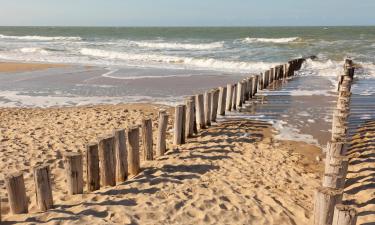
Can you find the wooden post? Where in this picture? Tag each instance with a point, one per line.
(325, 201)
(215, 104)
(222, 100)
(239, 98)
(92, 167)
(332, 180)
(266, 81)
(147, 142)
(121, 155)
(228, 102)
(74, 173)
(254, 82)
(199, 106)
(15, 185)
(179, 125)
(132, 135)
(207, 108)
(189, 127)
(161, 145)
(107, 161)
(246, 89)
(261, 81)
(234, 97)
(195, 129)
(344, 215)
(271, 76)
(43, 188)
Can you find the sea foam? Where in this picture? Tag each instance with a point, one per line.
(41, 38)
(270, 40)
(185, 46)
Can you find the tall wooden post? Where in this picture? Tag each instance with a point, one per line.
(132, 134)
(199, 106)
(344, 215)
(43, 187)
(74, 173)
(239, 99)
(107, 161)
(325, 201)
(228, 102)
(189, 127)
(255, 85)
(234, 97)
(179, 125)
(121, 155)
(161, 145)
(195, 128)
(222, 100)
(147, 142)
(15, 185)
(214, 104)
(207, 108)
(92, 167)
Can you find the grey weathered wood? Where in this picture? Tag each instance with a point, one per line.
(132, 137)
(239, 98)
(222, 100)
(332, 180)
(195, 128)
(261, 81)
(344, 215)
(255, 84)
(15, 185)
(121, 155)
(107, 161)
(207, 107)
(147, 142)
(74, 173)
(92, 167)
(199, 106)
(325, 201)
(234, 97)
(189, 127)
(161, 145)
(228, 102)
(214, 104)
(43, 187)
(179, 125)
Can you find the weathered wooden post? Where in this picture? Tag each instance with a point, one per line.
(239, 98)
(199, 106)
(254, 87)
(161, 145)
(222, 100)
(234, 97)
(271, 76)
(107, 161)
(267, 81)
(147, 142)
(332, 180)
(246, 89)
(207, 108)
(261, 81)
(195, 129)
(189, 127)
(15, 185)
(214, 104)
(74, 173)
(228, 103)
(92, 167)
(121, 155)
(179, 125)
(344, 215)
(132, 134)
(325, 201)
(43, 187)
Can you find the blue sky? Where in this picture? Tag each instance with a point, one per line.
(186, 12)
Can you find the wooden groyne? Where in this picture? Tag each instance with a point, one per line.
(115, 158)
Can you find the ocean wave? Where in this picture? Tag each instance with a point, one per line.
(34, 50)
(41, 38)
(176, 45)
(207, 63)
(270, 40)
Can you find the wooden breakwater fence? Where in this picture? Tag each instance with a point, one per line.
(115, 158)
(328, 209)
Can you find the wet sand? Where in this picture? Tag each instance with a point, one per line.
(6, 67)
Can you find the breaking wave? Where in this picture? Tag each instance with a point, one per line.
(41, 38)
(271, 40)
(186, 46)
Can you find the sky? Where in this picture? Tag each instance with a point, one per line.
(186, 12)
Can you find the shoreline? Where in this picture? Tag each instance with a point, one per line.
(13, 66)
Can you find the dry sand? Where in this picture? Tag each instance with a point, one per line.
(6, 67)
(233, 173)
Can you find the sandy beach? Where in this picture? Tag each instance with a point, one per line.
(6, 67)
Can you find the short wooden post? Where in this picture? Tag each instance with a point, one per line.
(107, 161)
(271, 75)
(228, 102)
(199, 106)
(325, 201)
(161, 145)
(207, 108)
(222, 100)
(246, 89)
(15, 185)
(189, 127)
(344, 215)
(121, 155)
(195, 128)
(256, 87)
(239, 98)
(74, 173)
(266, 79)
(179, 125)
(147, 142)
(92, 167)
(261, 81)
(132, 134)
(234, 97)
(214, 104)
(43, 187)
(250, 87)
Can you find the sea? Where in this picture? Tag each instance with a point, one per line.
(164, 64)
